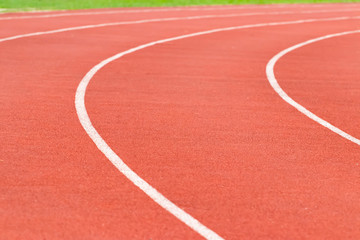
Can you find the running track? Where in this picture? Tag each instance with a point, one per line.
(194, 115)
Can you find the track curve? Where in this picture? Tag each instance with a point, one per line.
(253, 183)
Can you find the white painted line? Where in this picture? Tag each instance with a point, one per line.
(118, 162)
(275, 85)
(163, 10)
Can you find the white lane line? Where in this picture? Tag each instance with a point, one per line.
(164, 10)
(275, 85)
(163, 20)
(118, 162)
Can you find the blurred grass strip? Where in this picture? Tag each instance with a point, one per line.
(85, 4)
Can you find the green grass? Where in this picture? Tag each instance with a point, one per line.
(83, 4)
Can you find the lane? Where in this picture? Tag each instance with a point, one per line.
(59, 174)
(222, 146)
(87, 203)
(14, 27)
(155, 20)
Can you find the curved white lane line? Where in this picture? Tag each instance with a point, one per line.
(118, 162)
(275, 85)
(165, 10)
(170, 19)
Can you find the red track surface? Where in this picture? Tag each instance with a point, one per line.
(196, 118)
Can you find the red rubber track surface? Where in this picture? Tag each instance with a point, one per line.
(196, 118)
